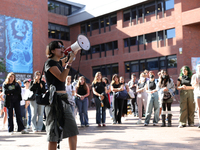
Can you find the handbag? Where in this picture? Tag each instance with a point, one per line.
(121, 94)
(131, 93)
(42, 99)
(31, 96)
(166, 96)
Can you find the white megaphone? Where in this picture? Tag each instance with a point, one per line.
(81, 43)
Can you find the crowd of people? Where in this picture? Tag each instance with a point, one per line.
(148, 95)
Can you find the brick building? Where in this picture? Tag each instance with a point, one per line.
(125, 37)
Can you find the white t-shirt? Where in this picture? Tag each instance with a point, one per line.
(69, 89)
(195, 78)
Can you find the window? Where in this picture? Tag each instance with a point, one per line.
(67, 10)
(133, 13)
(160, 35)
(102, 22)
(142, 65)
(140, 39)
(160, 5)
(172, 61)
(115, 44)
(133, 41)
(127, 15)
(170, 33)
(126, 42)
(150, 9)
(127, 67)
(140, 12)
(162, 62)
(83, 28)
(152, 64)
(103, 70)
(169, 4)
(109, 46)
(134, 66)
(150, 37)
(115, 69)
(95, 49)
(74, 9)
(106, 69)
(58, 32)
(113, 19)
(88, 26)
(95, 70)
(95, 24)
(107, 21)
(102, 47)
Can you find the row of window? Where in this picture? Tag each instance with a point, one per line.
(56, 31)
(60, 8)
(99, 23)
(148, 9)
(102, 47)
(151, 64)
(105, 70)
(151, 37)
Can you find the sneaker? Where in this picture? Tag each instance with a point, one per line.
(145, 124)
(123, 118)
(114, 122)
(181, 126)
(24, 131)
(154, 124)
(99, 125)
(82, 126)
(104, 124)
(87, 125)
(139, 121)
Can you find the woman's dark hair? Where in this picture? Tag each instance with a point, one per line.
(113, 79)
(163, 82)
(52, 46)
(36, 73)
(79, 83)
(189, 71)
(105, 78)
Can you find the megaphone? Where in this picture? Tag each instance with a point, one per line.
(81, 43)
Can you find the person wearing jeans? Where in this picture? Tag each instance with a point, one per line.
(38, 87)
(152, 101)
(82, 92)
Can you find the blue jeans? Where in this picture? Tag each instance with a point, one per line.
(100, 111)
(29, 115)
(37, 114)
(82, 107)
(152, 103)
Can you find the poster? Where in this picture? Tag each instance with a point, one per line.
(194, 62)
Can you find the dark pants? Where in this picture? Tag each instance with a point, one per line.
(16, 105)
(23, 114)
(117, 110)
(134, 106)
(100, 111)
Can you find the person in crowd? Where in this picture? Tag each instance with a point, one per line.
(166, 92)
(106, 81)
(124, 109)
(196, 84)
(82, 93)
(27, 105)
(12, 92)
(141, 96)
(58, 112)
(146, 74)
(99, 90)
(116, 86)
(71, 92)
(3, 110)
(152, 102)
(132, 85)
(157, 81)
(187, 104)
(22, 104)
(38, 87)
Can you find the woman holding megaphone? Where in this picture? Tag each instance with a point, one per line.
(59, 111)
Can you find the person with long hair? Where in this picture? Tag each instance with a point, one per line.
(99, 90)
(152, 102)
(60, 123)
(166, 92)
(38, 87)
(141, 96)
(82, 93)
(187, 104)
(116, 86)
(12, 91)
(196, 84)
(3, 109)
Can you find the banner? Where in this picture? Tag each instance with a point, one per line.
(194, 62)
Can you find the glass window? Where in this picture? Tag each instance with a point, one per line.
(133, 13)
(127, 15)
(102, 47)
(133, 41)
(95, 24)
(113, 19)
(169, 4)
(95, 70)
(172, 61)
(103, 70)
(62, 9)
(140, 39)
(160, 6)
(88, 26)
(115, 44)
(109, 46)
(152, 64)
(140, 12)
(170, 33)
(50, 6)
(126, 42)
(74, 8)
(160, 35)
(108, 70)
(67, 10)
(95, 49)
(150, 9)
(127, 67)
(107, 21)
(134, 66)
(57, 8)
(142, 65)
(102, 22)
(162, 62)
(115, 69)
(83, 28)
(150, 37)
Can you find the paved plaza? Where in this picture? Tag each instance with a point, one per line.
(125, 136)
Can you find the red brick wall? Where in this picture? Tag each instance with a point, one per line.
(189, 5)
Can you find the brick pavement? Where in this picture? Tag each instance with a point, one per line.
(126, 136)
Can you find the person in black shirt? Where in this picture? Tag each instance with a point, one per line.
(117, 103)
(187, 104)
(99, 90)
